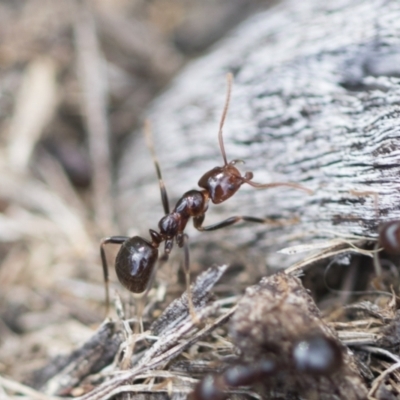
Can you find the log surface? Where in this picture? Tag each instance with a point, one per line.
(315, 101)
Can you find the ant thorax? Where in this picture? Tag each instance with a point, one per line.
(193, 203)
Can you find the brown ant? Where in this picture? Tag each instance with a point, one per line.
(389, 237)
(389, 241)
(137, 257)
(313, 355)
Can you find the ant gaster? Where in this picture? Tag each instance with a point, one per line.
(137, 257)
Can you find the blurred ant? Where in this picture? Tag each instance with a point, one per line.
(389, 237)
(389, 241)
(314, 355)
(137, 257)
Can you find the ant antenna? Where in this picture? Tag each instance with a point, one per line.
(229, 79)
(150, 146)
(276, 184)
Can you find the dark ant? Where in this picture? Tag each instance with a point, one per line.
(389, 237)
(137, 257)
(314, 355)
(388, 240)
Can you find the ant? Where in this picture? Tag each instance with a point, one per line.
(389, 241)
(137, 257)
(389, 237)
(313, 355)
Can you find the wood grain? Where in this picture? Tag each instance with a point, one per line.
(315, 101)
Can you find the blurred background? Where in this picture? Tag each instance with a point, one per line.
(76, 78)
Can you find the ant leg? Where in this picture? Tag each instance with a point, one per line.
(186, 269)
(198, 222)
(109, 240)
(140, 300)
(150, 145)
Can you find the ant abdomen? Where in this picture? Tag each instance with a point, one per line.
(135, 264)
(389, 237)
(317, 355)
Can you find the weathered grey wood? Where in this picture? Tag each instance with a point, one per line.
(315, 100)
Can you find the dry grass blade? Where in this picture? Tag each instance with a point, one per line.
(381, 378)
(177, 311)
(93, 80)
(35, 106)
(337, 248)
(35, 196)
(158, 355)
(16, 387)
(173, 338)
(377, 350)
(358, 338)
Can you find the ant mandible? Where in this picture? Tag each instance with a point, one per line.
(137, 257)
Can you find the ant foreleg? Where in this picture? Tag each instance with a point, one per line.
(198, 222)
(109, 240)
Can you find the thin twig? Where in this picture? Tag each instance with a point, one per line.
(381, 377)
(158, 354)
(378, 350)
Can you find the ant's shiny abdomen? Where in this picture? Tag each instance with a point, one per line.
(135, 264)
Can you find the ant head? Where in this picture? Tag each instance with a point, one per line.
(223, 182)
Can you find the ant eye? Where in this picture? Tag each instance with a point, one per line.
(231, 187)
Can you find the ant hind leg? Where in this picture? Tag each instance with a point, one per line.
(140, 301)
(109, 240)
